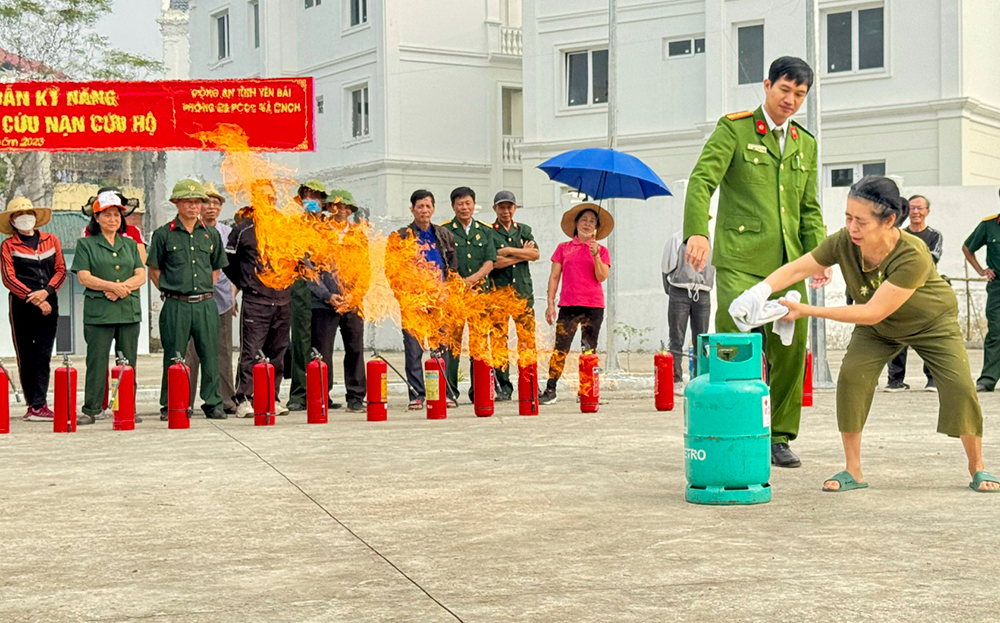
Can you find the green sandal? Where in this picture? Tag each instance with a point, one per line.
(847, 482)
(980, 478)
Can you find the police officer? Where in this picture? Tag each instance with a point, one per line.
(765, 166)
(312, 197)
(476, 253)
(185, 257)
(987, 234)
(515, 248)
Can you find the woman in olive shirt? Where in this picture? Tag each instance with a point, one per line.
(900, 300)
(109, 266)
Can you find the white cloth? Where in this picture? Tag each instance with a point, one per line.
(752, 309)
(785, 329)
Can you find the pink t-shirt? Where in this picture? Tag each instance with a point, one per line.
(580, 288)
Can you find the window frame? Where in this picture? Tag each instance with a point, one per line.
(563, 57)
(215, 17)
(320, 105)
(253, 15)
(693, 39)
(364, 86)
(763, 43)
(854, 8)
(858, 170)
(310, 4)
(362, 13)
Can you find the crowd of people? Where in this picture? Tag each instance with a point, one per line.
(208, 273)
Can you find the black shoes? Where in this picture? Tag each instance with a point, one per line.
(298, 406)
(355, 406)
(216, 414)
(503, 396)
(782, 456)
(983, 387)
(548, 396)
(896, 386)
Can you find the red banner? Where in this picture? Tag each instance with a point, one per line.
(275, 113)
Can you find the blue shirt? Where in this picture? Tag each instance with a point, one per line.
(224, 297)
(428, 244)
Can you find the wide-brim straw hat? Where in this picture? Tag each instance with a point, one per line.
(605, 222)
(22, 204)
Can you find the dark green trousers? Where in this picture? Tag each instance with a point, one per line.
(301, 342)
(99, 338)
(786, 363)
(180, 322)
(991, 345)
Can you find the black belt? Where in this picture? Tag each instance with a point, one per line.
(192, 298)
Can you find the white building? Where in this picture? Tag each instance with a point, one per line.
(908, 89)
(408, 94)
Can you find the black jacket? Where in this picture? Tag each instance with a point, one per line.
(244, 260)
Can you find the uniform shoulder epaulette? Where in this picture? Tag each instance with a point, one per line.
(484, 224)
(801, 127)
(736, 116)
(446, 223)
(991, 218)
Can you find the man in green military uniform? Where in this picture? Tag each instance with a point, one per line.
(515, 248)
(312, 197)
(987, 234)
(185, 257)
(765, 167)
(476, 253)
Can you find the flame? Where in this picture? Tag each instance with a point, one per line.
(383, 277)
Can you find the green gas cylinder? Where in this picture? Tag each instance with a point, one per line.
(727, 423)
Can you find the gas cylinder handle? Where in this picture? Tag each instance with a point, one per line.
(261, 358)
(121, 360)
(316, 356)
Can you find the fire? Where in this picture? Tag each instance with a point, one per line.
(385, 277)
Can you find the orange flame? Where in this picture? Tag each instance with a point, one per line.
(382, 277)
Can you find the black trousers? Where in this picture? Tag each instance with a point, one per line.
(414, 366)
(325, 323)
(34, 335)
(263, 327)
(589, 320)
(684, 307)
(897, 368)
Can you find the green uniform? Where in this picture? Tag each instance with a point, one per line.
(987, 234)
(473, 249)
(768, 215)
(518, 277)
(106, 321)
(186, 262)
(301, 343)
(927, 322)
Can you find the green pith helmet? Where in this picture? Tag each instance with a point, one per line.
(342, 196)
(188, 189)
(314, 185)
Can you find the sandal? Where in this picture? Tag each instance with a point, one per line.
(980, 478)
(416, 404)
(452, 403)
(847, 482)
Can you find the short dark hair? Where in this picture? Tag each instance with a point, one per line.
(793, 68)
(420, 194)
(463, 191)
(884, 196)
(920, 197)
(94, 228)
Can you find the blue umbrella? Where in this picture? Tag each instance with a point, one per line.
(605, 173)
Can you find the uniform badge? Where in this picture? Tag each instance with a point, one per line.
(735, 116)
(477, 236)
(757, 148)
(794, 133)
(761, 128)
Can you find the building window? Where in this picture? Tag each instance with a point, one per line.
(855, 40)
(319, 104)
(685, 47)
(840, 175)
(587, 77)
(255, 23)
(750, 54)
(359, 112)
(222, 34)
(359, 12)
(311, 3)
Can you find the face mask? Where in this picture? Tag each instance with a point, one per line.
(311, 206)
(24, 222)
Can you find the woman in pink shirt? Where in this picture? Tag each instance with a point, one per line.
(582, 264)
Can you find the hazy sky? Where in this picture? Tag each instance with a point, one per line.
(132, 27)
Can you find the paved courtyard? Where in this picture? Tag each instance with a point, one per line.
(565, 517)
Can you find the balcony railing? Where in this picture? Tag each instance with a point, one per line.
(511, 153)
(511, 42)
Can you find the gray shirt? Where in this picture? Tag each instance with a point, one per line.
(224, 297)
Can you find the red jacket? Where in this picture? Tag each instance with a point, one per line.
(25, 270)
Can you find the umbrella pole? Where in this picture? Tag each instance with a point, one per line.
(611, 307)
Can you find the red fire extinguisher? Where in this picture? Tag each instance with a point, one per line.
(317, 399)
(5, 403)
(178, 394)
(65, 395)
(435, 388)
(123, 394)
(378, 385)
(663, 380)
(527, 389)
(807, 381)
(590, 383)
(483, 391)
(263, 391)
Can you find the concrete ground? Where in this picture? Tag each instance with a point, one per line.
(565, 517)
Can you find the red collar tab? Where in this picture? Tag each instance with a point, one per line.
(794, 133)
(761, 127)
(173, 225)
